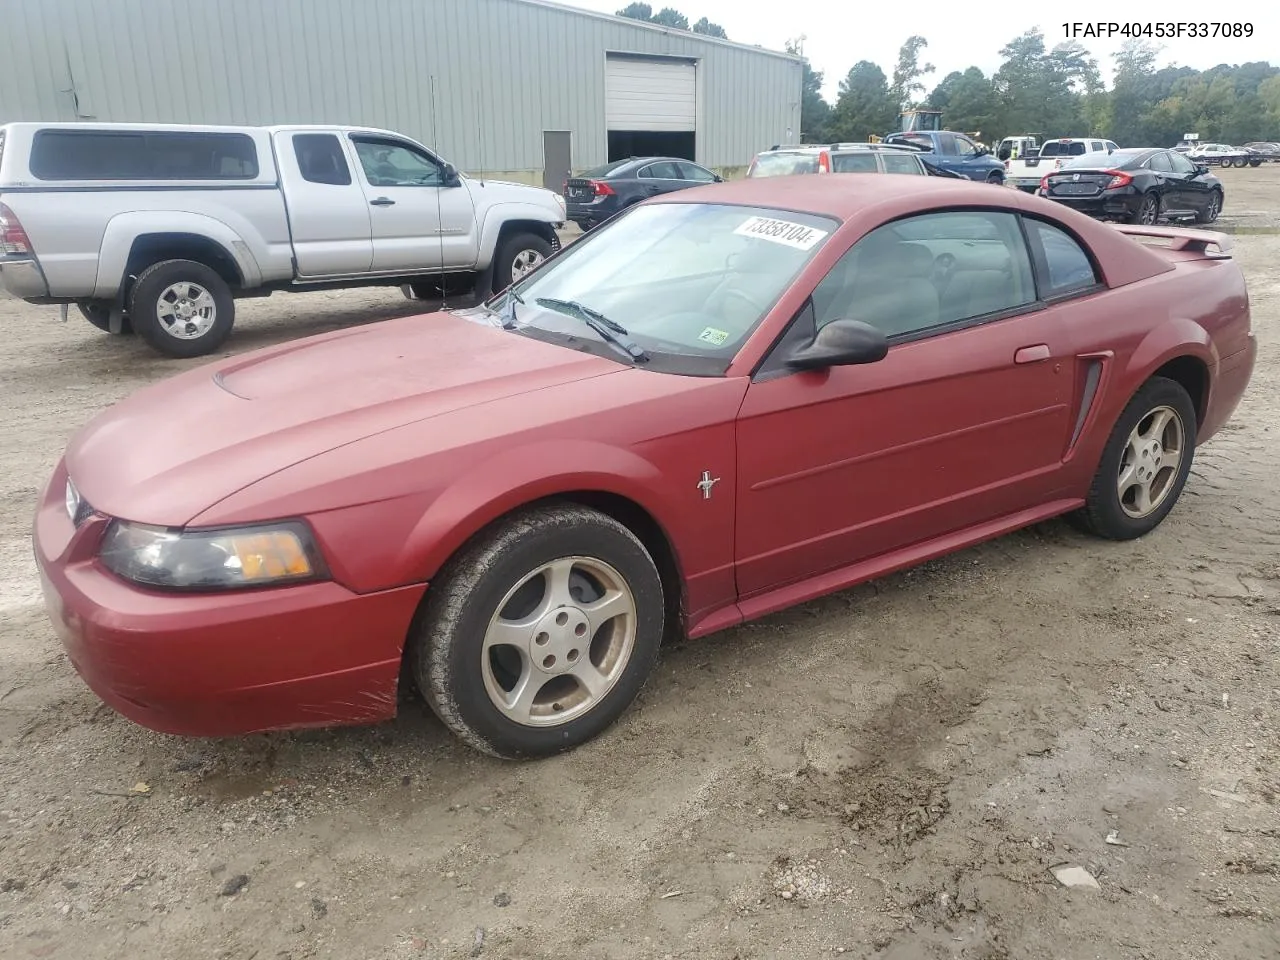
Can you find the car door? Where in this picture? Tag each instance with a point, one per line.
(1170, 183)
(660, 177)
(419, 220)
(972, 163)
(965, 420)
(328, 212)
(1193, 188)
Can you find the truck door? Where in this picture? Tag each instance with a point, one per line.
(328, 213)
(420, 221)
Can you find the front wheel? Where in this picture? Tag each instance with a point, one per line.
(1212, 209)
(517, 256)
(1145, 464)
(182, 308)
(995, 179)
(537, 638)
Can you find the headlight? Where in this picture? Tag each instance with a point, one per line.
(256, 556)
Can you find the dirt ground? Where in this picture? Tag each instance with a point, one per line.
(886, 773)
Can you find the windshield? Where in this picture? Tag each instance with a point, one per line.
(1062, 149)
(688, 282)
(784, 164)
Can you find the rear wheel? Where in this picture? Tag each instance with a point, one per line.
(1148, 211)
(537, 638)
(182, 308)
(995, 178)
(1145, 464)
(99, 314)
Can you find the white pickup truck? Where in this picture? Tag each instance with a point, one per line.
(1026, 172)
(157, 229)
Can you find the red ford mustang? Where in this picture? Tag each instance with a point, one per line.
(727, 401)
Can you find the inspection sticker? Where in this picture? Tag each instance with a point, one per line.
(781, 231)
(713, 336)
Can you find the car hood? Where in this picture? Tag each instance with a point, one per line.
(172, 450)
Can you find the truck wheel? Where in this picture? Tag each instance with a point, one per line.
(518, 255)
(99, 314)
(996, 178)
(182, 308)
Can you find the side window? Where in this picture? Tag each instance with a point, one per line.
(663, 170)
(691, 171)
(1160, 163)
(320, 159)
(947, 144)
(1180, 163)
(68, 154)
(387, 163)
(1111, 146)
(1096, 146)
(1069, 269)
(928, 272)
(965, 147)
(901, 163)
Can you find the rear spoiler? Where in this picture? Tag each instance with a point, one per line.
(1182, 238)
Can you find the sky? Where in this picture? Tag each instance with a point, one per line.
(960, 36)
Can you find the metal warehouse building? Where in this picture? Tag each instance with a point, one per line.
(524, 89)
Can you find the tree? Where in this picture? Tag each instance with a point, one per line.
(815, 112)
(907, 73)
(670, 17)
(865, 105)
(709, 29)
(637, 11)
(968, 101)
(1134, 93)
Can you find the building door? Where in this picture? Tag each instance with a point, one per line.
(651, 107)
(557, 158)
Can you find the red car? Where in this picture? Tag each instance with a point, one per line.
(729, 400)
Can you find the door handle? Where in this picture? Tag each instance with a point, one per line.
(382, 202)
(1032, 354)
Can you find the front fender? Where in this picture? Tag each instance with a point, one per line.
(506, 212)
(123, 229)
(517, 476)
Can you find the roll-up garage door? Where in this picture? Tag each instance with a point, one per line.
(643, 94)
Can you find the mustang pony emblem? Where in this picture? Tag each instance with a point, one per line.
(706, 483)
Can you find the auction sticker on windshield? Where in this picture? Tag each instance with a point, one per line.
(781, 231)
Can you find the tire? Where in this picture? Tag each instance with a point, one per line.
(99, 314)
(526, 250)
(995, 179)
(1107, 512)
(499, 574)
(1255, 163)
(202, 331)
(1211, 212)
(1148, 211)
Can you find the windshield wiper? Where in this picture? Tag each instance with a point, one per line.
(609, 330)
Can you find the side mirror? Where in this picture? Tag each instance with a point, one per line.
(1201, 169)
(451, 177)
(719, 179)
(841, 343)
(982, 151)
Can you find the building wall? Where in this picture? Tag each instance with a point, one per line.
(479, 80)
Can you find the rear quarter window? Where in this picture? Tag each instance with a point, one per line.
(142, 155)
(1067, 266)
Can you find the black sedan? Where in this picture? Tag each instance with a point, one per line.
(1136, 186)
(599, 194)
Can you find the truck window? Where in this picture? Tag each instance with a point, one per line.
(142, 155)
(388, 163)
(320, 159)
(947, 144)
(1073, 148)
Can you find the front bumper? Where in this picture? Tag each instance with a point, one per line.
(22, 277)
(223, 664)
